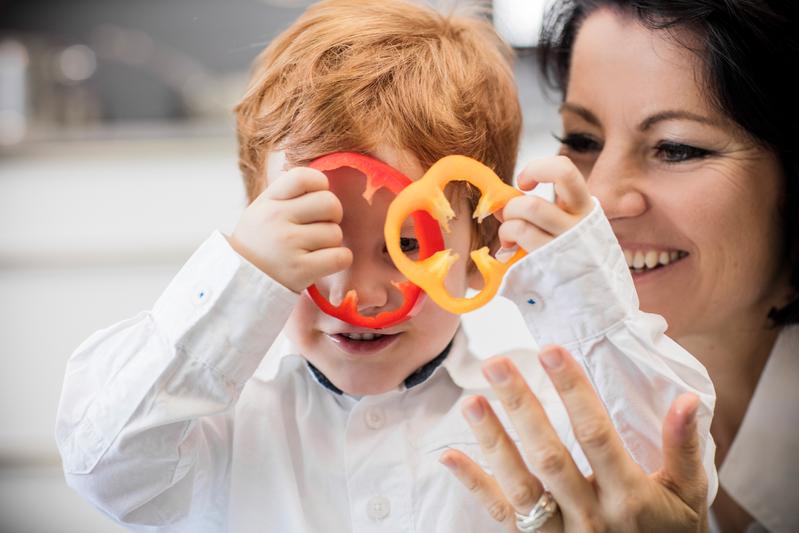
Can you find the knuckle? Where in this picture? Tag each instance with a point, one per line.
(588, 522)
(504, 231)
(474, 485)
(336, 234)
(342, 259)
(499, 511)
(491, 441)
(516, 401)
(534, 204)
(550, 461)
(332, 207)
(568, 382)
(593, 435)
(523, 497)
(628, 512)
(291, 233)
(275, 210)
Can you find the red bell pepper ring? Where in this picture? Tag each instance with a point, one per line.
(428, 233)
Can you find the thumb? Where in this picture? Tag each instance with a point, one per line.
(683, 470)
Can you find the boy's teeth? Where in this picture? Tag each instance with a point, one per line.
(640, 260)
(362, 336)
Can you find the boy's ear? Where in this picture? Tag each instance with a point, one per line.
(474, 278)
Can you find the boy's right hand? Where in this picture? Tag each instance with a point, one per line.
(291, 230)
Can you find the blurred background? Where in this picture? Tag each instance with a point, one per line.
(117, 159)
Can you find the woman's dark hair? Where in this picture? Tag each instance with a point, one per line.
(750, 51)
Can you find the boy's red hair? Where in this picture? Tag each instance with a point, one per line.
(350, 75)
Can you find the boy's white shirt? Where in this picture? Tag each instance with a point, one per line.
(174, 418)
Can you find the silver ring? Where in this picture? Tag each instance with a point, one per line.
(544, 509)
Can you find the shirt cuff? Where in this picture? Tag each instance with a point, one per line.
(575, 287)
(222, 310)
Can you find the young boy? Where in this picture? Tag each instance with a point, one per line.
(176, 418)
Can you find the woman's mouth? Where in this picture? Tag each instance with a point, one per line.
(644, 261)
(362, 343)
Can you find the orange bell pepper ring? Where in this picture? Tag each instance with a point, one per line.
(379, 174)
(427, 194)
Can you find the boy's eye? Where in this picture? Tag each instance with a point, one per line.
(579, 142)
(672, 152)
(408, 244)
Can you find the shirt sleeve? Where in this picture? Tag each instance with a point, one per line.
(577, 291)
(144, 422)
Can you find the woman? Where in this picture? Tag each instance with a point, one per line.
(679, 116)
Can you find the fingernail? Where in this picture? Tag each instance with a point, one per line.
(688, 411)
(475, 411)
(551, 358)
(447, 461)
(497, 372)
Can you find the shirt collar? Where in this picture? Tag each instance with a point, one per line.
(461, 364)
(760, 469)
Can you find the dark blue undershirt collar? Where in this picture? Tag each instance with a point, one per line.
(418, 376)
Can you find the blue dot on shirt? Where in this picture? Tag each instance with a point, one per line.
(531, 301)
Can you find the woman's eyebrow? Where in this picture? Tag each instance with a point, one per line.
(580, 111)
(675, 114)
(671, 114)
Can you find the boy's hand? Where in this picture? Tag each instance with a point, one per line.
(291, 230)
(532, 221)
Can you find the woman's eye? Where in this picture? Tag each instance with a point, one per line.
(408, 244)
(676, 152)
(579, 142)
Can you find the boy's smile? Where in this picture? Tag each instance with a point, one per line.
(360, 360)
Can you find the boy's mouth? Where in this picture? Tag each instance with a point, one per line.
(363, 343)
(362, 336)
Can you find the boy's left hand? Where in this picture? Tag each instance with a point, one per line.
(532, 221)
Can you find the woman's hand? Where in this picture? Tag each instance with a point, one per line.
(619, 496)
(531, 221)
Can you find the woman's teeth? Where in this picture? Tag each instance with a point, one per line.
(640, 260)
(362, 336)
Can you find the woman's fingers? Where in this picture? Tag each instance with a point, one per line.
(519, 233)
(518, 484)
(483, 486)
(592, 427)
(550, 461)
(571, 192)
(540, 212)
(683, 471)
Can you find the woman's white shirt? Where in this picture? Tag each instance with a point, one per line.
(761, 469)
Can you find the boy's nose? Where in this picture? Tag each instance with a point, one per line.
(373, 287)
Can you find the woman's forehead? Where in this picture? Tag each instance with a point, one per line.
(621, 69)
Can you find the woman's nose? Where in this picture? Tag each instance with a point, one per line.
(618, 186)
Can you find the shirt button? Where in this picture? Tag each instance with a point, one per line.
(201, 295)
(378, 508)
(375, 418)
(533, 300)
